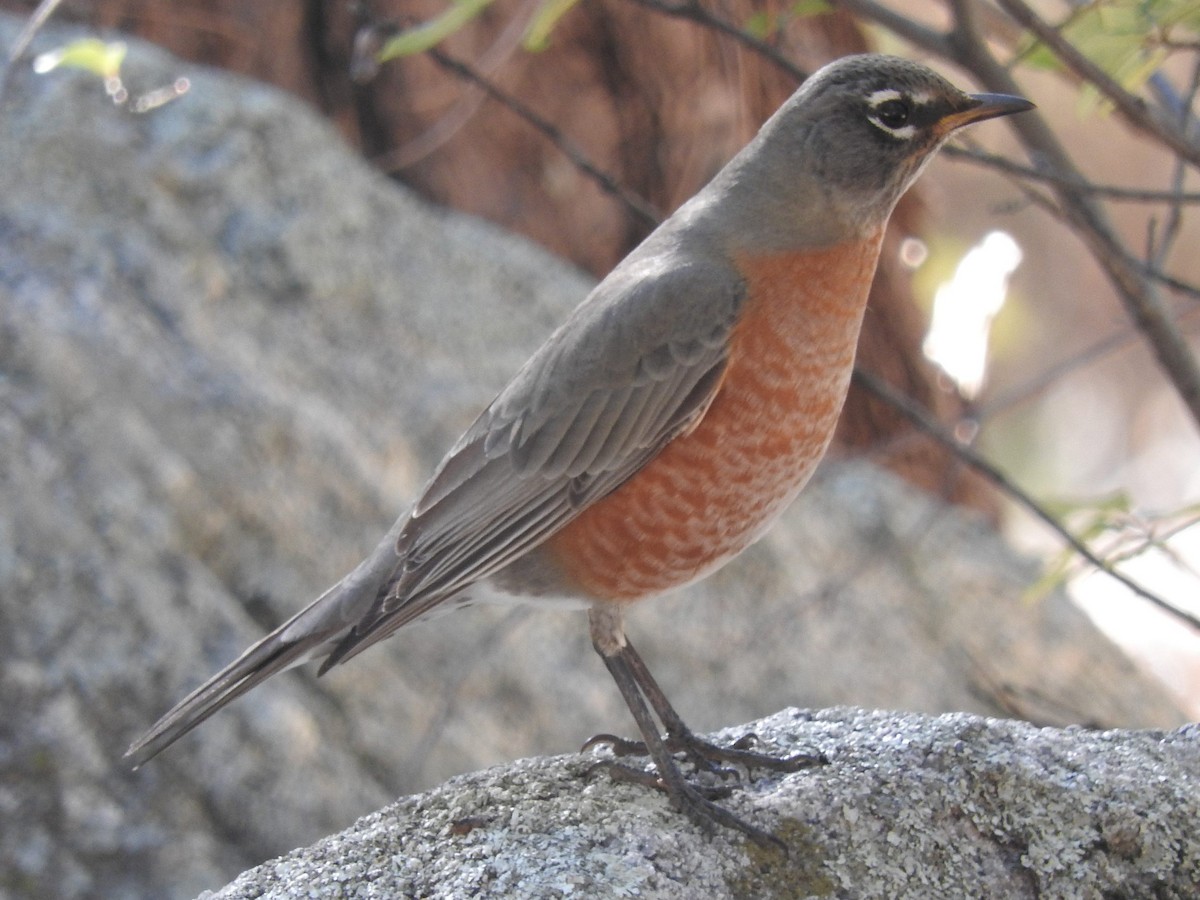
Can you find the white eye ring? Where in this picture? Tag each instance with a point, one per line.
(880, 97)
(877, 100)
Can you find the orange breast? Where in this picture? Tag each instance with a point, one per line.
(712, 491)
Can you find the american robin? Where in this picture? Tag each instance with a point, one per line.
(672, 417)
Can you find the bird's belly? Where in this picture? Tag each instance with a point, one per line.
(713, 490)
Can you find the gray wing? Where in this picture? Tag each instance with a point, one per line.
(635, 364)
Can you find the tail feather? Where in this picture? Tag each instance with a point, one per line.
(270, 655)
(310, 634)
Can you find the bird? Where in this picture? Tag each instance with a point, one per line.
(667, 422)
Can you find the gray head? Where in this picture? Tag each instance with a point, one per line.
(839, 153)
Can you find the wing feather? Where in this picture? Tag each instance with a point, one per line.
(637, 363)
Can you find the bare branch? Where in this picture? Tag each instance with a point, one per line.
(1132, 108)
(635, 204)
(1172, 283)
(1087, 218)
(1017, 394)
(37, 19)
(1033, 386)
(1157, 257)
(365, 64)
(924, 422)
(1036, 198)
(1109, 191)
(691, 9)
(901, 25)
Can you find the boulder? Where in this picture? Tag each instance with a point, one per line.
(908, 808)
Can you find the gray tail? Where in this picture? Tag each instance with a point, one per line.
(270, 655)
(310, 634)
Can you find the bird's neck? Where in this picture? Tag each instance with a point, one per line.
(812, 299)
(749, 208)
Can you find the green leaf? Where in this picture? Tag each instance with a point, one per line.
(764, 24)
(1178, 14)
(431, 33)
(802, 9)
(88, 54)
(537, 36)
(760, 25)
(1127, 39)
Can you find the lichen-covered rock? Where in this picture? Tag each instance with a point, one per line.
(908, 808)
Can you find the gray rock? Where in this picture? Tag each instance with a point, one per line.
(908, 807)
(230, 352)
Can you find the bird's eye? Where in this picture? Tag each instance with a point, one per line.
(892, 113)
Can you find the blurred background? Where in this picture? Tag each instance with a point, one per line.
(996, 312)
(1037, 360)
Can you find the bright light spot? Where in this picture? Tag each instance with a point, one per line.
(964, 307)
(913, 252)
(47, 62)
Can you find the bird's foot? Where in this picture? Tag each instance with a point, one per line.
(710, 817)
(706, 756)
(739, 753)
(649, 778)
(694, 801)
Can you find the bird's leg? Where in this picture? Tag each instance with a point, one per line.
(705, 754)
(609, 640)
(687, 799)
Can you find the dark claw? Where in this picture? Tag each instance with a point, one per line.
(704, 756)
(618, 745)
(739, 754)
(754, 760)
(629, 775)
(707, 757)
(745, 742)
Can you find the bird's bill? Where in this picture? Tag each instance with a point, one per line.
(984, 106)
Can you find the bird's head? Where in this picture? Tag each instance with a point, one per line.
(852, 139)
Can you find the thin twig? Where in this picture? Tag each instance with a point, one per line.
(1110, 191)
(1156, 257)
(1172, 283)
(1088, 220)
(899, 24)
(1059, 214)
(638, 206)
(37, 19)
(436, 135)
(1132, 108)
(1033, 386)
(692, 10)
(1146, 539)
(1039, 382)
(924, 421)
